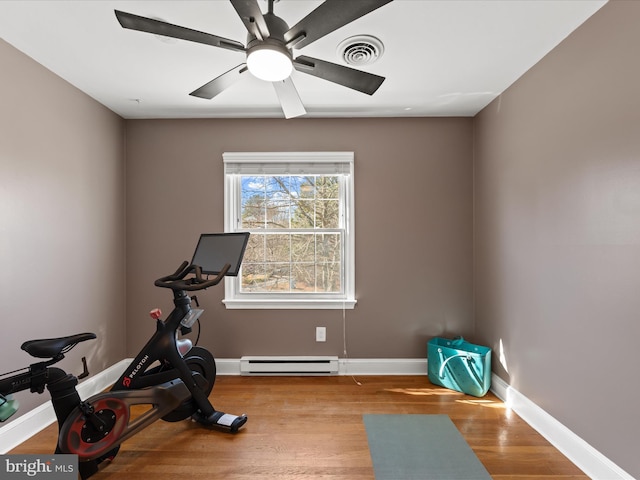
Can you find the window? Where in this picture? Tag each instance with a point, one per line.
(298, 207)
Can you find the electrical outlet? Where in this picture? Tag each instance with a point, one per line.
(321, 334)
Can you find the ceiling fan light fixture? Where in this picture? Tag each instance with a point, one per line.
(270, 63)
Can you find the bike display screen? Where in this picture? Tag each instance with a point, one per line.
(214, 250)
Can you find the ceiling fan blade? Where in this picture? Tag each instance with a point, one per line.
(349, 77)
(221, 83)
(251, 16)
(329, 16)
(150, 25)
(289, 98)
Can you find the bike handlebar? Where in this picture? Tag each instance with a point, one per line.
(177, 280)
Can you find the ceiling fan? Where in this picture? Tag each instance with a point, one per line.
(270, 44)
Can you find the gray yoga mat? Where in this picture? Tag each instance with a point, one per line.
(420, 447)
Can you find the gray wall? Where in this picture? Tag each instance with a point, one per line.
(557, 227)
(413, 198)
(62, 215)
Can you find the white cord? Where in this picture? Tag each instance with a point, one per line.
(344, 342)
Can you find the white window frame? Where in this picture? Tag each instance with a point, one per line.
(237, 164)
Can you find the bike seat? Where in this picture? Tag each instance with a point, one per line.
(52, 347)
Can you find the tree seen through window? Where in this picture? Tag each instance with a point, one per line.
(296, 241)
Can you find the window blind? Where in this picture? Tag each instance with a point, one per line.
(288, 163)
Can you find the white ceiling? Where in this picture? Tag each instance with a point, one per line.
(441, 58)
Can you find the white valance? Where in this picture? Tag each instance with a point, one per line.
(288, 163)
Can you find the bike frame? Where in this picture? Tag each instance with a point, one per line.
(159, 375)
(165, 387)
(162, 347)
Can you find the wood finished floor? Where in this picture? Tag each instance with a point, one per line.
(312, 428)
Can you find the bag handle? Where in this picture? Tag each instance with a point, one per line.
(470, 362)
(444, 364)
(455, 342)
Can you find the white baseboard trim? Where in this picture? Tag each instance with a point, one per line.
(583, 455)
(383, 366)
(27, 425)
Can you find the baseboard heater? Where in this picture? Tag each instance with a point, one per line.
(289, 365)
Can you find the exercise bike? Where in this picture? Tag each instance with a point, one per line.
(170, 373)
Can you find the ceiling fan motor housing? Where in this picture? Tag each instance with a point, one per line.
(277, 28)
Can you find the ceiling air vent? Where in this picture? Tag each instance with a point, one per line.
(360, 50)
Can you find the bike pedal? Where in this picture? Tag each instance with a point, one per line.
(238, 423)
(226, 421)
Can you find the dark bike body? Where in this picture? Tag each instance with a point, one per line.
(169, 374)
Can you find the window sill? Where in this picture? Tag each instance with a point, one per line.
(292, 304)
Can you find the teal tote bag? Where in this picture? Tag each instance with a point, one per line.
(459, 365)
